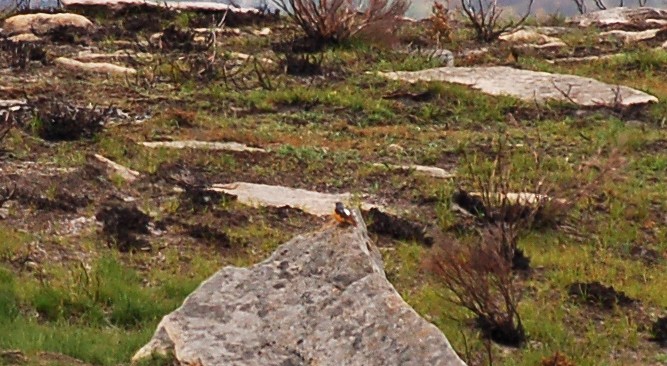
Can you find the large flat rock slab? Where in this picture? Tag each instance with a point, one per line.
(531, 85)
(203, 145)
(622, 18)
(262, 195)
(320, 299)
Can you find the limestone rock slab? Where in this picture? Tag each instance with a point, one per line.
(531, 85)
(204, 145)
(320, 299)
(622, 18)
(314, 203)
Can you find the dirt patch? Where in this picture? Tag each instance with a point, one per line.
(646, 255)
(59, 200)
(395, 227)
(123, 224)
(594, 293)
(209, 235)
(659, 331)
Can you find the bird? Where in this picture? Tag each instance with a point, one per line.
(343, 215)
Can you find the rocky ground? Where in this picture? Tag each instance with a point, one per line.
(143, 149)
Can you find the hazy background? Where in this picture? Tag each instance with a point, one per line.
(421, 8)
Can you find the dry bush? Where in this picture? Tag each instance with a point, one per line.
(333, 21)
(507, 205)
(480, 277)
(440, 22)
(55, 119)
(484, 16)
(600, 4)
(557, 359)
(185, 40)
(19, 55)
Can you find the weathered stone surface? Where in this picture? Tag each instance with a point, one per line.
(584, 58)
(631, 37)
(124, 172)
(41, 23)
(24, 38)
(87, 56)
(320, 299)
(94, 67)
(314, 203)
(430, 171)
(531, 85)
(622, 18)
(204, 145)
(533, 38)
(116, 5)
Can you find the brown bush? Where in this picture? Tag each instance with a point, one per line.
(333, 21)
(440, 22)
(484, 17)
(557, 359)
(480, 278)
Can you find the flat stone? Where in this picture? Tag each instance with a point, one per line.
(204, 145)
(125, 172)
(261, 195)
(87, 56)
(94, 67)
(430, 171)
(621, 18)
(41, 23)
(531, 85)
(24, 38)
(533, 38)
(629, 37)
(321, 299)
(584, 58)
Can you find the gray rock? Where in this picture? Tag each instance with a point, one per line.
(445, 57)
(320, 299)
(531, 85)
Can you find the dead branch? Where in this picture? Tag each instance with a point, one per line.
(334, 21)
(484, 18)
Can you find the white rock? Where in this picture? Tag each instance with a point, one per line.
(644, 17)
(86, 56)
(125, 172)
(41, 23)
(262, 32)
(632, 37)
(314, 203)
(532, 37)
(431, 171)
(530, 85)
(204, 145)
(94, 67)
(24, 37)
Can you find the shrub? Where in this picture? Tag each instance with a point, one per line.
(333, 21)
(481, 280)
(57, 120)
(485, 18)
(440, 23)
